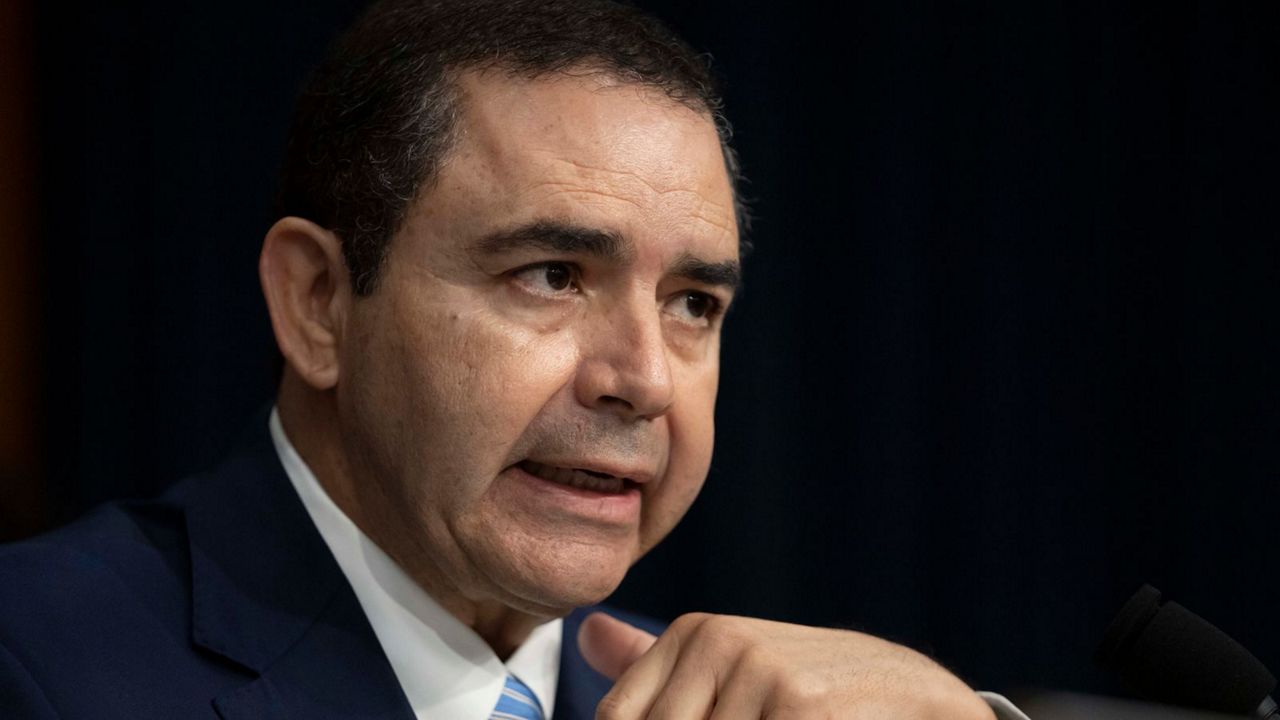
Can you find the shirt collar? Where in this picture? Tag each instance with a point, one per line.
(444, 667)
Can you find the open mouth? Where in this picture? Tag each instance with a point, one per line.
(577, 477)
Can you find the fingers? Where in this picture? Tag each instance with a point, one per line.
(690, 690)
(635, 691)
(716, 667)
(652, 687)
(611, 646)
(741, 699)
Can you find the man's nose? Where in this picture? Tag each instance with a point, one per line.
(625, 366)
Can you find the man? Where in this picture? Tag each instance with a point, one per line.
(509, 235)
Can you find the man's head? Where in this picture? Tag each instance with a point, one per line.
(513, 394)
(378, 117)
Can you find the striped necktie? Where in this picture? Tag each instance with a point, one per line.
(517, 702)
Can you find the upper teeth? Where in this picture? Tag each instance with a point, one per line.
(574, 477)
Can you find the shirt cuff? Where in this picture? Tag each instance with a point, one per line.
(1004, 709)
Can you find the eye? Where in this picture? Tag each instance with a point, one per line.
(549, 278)
(695, 307)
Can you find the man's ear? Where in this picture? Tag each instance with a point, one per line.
(304, 279)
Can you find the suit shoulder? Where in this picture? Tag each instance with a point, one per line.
(96, 619)
(112, 534)
(119, 556)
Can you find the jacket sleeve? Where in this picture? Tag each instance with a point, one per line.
(20, 696)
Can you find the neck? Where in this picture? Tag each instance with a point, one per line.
(310, 420)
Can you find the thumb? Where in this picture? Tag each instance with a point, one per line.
(610, 646)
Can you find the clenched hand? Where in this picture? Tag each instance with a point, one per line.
(733, 668)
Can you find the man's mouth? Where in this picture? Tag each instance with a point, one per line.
(578, 477)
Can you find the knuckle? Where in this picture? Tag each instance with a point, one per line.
(757, 660)
(725, 631)
(803, 697)
(720, 624)
(689, 622)
(800, 691)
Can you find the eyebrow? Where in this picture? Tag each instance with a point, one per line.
(726, 274)
(571, 239)
(558, 237)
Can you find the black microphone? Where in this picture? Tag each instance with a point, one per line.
(1171, 655)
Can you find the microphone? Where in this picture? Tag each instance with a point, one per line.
(1171, 655)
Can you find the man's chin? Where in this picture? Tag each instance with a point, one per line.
(555, 590)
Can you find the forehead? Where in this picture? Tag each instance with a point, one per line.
(582, 146)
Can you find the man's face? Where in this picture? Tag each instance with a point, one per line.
(528, 395)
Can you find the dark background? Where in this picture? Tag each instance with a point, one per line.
(1007, 347)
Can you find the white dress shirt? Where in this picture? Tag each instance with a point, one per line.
(444, 667)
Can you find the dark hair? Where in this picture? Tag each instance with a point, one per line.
(376, 118)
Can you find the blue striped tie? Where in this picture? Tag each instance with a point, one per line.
(517, 702)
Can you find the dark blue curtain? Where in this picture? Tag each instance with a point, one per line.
(1007, 347)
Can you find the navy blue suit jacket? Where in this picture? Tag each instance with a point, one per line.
(219, 599)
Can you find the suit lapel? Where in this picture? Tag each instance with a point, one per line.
(336, 670)
(268, 596)
(580, 688)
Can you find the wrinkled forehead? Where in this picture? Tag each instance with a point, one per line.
(585, 137)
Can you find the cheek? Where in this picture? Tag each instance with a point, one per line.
(479, 381)
(691, 425)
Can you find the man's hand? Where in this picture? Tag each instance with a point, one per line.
(733, 668)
